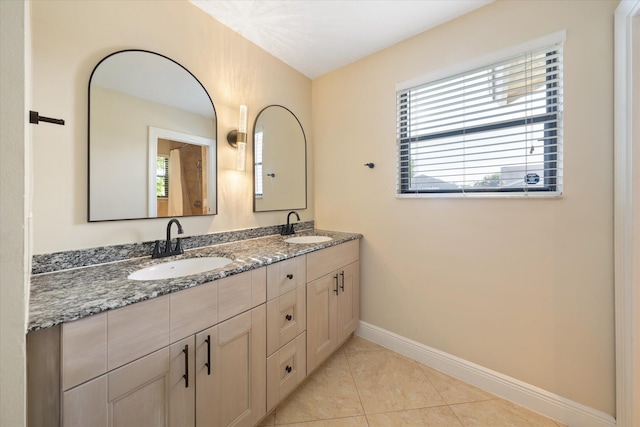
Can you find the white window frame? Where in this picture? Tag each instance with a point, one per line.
(484, 61)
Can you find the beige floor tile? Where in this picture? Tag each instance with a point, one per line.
(439, 416)
(498, 413)
(357, 344)
(334, 422)
(329, 392)
(453, 390)
(387, 381)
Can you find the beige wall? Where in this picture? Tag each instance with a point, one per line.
(523, 287)
(70, 37)
(14, 205)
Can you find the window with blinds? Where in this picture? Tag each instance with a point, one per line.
(257, 161)
(162, 176)
(495, 129)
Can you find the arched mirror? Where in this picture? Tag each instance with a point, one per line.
(152, 140)
(280, 161)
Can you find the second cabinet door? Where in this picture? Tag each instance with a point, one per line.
(230, 371)
(348, 300)
(321, 319)
(333, 312)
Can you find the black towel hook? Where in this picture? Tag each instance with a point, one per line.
(35, 118)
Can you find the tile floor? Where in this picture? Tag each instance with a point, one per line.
(365, 385)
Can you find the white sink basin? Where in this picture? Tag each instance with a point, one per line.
(308, 239)
(179, 268)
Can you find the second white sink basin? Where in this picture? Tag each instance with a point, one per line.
(308, 239)
(179, 268)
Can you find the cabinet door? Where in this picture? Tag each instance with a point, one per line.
(182, 383)
(85, 405)
(152, 391)
(321, 319)
(241, 368)
(348, 300)
(135, 394)
(208, 387)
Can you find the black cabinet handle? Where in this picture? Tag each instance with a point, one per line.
(288, 317)
(185, 350)
(288, 369)
(342, 275)
(208, 364)
(290, 276)
(336, 289)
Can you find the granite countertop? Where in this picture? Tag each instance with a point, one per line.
(68, 295)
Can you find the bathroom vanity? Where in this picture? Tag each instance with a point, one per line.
(219, 348)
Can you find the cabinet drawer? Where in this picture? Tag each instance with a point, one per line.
(286, 318)
(239, 293)
(286, 368)
(137, 330)
(192, 310)
(84, 350)
(285, 276)
(327, 260)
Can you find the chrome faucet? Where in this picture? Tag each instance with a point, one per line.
(288, 229)
(177, 250)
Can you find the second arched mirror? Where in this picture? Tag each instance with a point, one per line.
(280, 161)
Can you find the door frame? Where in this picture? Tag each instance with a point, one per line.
(626, 255)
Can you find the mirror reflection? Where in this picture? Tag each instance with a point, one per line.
(152, 140)
(280, 164)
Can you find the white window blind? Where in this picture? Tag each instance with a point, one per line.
(494, 129)
(257, 173)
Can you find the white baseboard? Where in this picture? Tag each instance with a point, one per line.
(551, 405)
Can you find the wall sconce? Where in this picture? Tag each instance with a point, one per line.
(238, 138)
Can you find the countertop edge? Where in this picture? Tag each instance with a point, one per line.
(119, 292)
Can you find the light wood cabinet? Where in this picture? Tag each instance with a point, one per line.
(221, 354)
(333, 300)
(156, 390)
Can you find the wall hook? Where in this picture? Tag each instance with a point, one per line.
(36, 118)
(369, 165)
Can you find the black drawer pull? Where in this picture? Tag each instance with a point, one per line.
(336, 289)
(186, 366)
(342, 286)
(208, 364)
(288, 369)
(290, 276)
(288, 317)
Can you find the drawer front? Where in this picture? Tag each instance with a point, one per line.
(327, 260)
(286, 368)
(285, 276)
(286, 318)
(84, 350)
(137, 330)
(240, 293)
(192, 310)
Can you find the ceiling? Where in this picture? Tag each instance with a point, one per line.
(318, 36)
